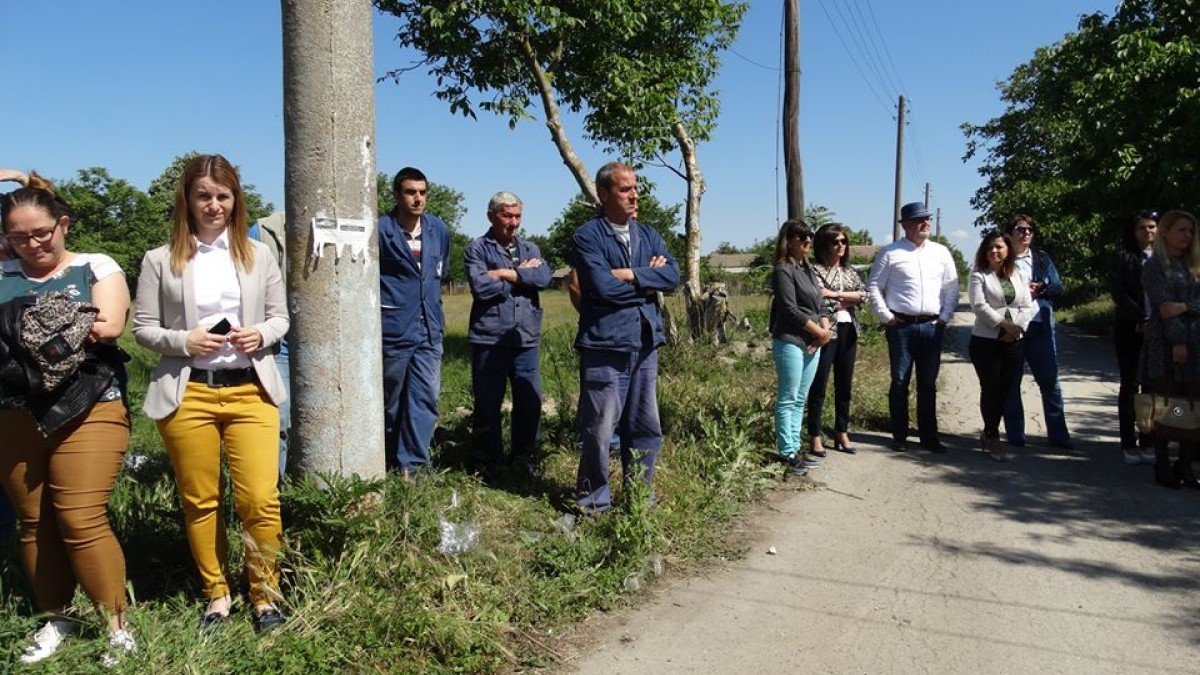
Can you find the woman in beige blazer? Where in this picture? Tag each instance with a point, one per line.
(212, 303)
(1000, 298)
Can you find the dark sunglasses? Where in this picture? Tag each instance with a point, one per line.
(1023, 230)
(838, 242)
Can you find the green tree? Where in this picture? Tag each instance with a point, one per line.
(650, 94)
(558, 241)
(1102, 123)
(112, 216)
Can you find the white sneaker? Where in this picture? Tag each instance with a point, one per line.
(1132, 456)
(47, 639)
(120, 643)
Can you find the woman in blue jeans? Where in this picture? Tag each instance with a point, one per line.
(799, 328)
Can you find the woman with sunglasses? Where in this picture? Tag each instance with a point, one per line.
(799, 324)
(843, 291)
(1041, 350)
(63, 448)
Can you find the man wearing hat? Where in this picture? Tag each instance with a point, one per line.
(913, 289)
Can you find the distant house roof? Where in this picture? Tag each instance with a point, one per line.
(727, 261)
(867, 251)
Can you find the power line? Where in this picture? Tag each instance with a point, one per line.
(878, 45)
(837, 32)
(886, 51)
(752, 61)
(861, 42)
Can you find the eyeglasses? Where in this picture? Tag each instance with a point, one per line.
(839, 242)
(41, 236)
(1023, 230)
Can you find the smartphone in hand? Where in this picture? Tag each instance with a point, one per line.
(222, 327)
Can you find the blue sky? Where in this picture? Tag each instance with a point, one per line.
(129, 85)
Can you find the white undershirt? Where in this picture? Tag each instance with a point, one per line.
(218, 296)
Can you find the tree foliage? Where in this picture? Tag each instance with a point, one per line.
(1096, 126)
(114, 217)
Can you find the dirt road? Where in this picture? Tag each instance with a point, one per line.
(1056, 562)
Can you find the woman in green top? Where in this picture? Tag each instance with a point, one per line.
(1000, 298)
(59, 477)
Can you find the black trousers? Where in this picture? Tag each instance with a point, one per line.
(998, 365)
(1127, 338)
(839, 356)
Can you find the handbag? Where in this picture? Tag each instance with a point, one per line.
(54, 330)
(1168, 417)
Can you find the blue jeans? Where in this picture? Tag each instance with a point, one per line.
(916, 345)
(283, 365)
(1041, 354)
(795, 368)
(617, 390)
(493, 367)
(412, 380)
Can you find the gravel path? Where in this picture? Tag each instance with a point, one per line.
(1056, 562)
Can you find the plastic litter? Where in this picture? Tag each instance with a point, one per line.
(457, 538)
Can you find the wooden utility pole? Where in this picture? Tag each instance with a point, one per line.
(791, 110)
(329, 128)
(899, 171)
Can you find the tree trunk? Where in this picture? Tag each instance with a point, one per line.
(695, 191)
(554, 124)
(329, 133)
(791, 111)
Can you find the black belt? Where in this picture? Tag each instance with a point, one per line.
(915, 318)
(222, 378)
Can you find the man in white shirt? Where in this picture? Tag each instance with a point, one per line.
(913, 289)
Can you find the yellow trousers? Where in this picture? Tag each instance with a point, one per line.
(242, 418)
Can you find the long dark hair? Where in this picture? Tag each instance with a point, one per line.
(791, 230)
(981, 256)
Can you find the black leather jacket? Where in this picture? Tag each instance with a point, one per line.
(1125, 285)
(20, 379)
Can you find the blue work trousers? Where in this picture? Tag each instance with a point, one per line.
(412, 380)
(914, 346)
(1041, 353)
(284, 366)
(493, 368)
(617, 390)
(795, 368)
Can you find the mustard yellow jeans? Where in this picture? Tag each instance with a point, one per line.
(243, 419)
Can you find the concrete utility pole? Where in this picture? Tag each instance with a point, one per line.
(899, 171)
(329, 126)
(927, 194)
(938, 231)
(791, 110)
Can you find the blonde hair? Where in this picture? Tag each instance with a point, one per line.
(1191, 257)
(182, 244)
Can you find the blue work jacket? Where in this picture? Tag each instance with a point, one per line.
(1045, 273)
(409, 294)
(504, 313)
(611, 311)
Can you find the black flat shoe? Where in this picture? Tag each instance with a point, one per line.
(1165, 476)
(933, 445)
(841, 447)
(899, 446)
(213, 620)
(1183, 474)
(268, 619)
(818, 453)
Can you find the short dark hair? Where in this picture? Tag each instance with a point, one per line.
(1127, 230)
(407, 173)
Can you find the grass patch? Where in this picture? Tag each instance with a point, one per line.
(366, 586)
